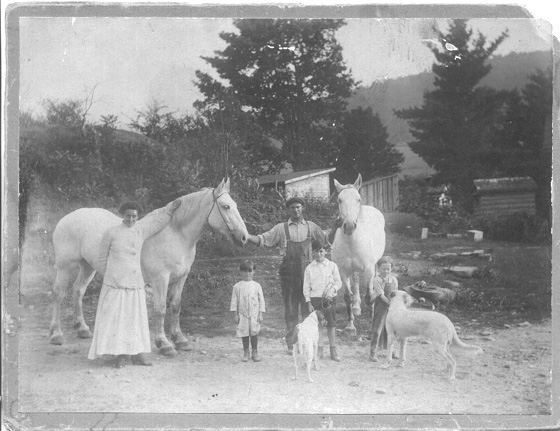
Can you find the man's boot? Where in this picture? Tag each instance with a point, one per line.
(334, 354)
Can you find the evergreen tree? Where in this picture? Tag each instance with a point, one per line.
(454, 129)
(290, 74)
(366, 149)
(526, 139)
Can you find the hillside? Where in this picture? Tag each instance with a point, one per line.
(508, 72)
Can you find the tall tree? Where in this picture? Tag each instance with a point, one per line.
(291, 75)
(526, 139)
(454, 129)
(366, 148)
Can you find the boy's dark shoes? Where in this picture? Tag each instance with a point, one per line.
(334, 354)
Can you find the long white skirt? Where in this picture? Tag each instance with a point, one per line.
(121, 323)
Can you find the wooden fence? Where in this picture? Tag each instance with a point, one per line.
(382, 193)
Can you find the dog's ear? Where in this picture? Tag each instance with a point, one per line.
(295, 334)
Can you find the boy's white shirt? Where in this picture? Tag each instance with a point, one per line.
(318, 276)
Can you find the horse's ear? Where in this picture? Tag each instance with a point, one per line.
(223, 187)
(338, 186)
(358, 182)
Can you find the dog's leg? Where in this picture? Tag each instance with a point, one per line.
(294, 355)
(403, 351)
(308, 360)
(390, 342)
(443, 351)
(315, 357)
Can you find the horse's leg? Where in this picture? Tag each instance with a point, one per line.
(357, 302)
(61, 282)
(80, 285)
(346, 283)
(159, 291)
(176, 290)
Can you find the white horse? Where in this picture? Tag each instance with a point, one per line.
(166, 257)
(358, 245)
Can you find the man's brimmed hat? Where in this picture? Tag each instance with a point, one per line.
(293, 200)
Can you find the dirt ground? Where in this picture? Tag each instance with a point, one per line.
(513, 376)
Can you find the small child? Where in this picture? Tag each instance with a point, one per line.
(380, 288)
(247, 303)
(321, 282)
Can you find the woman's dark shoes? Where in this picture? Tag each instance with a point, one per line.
(141, 359)
(119, 361)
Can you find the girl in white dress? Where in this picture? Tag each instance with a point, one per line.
(121, 323)
(247, 304)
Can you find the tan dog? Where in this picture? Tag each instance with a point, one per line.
(403, 323)
(306, 342)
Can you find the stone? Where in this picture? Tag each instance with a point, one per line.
(486, 333)
(443, 255)
(380, 391)
(424, 234)
(524, 324)
(507, 326)
(455, 284)
(462, 271)
(469, 337)
(476, 235)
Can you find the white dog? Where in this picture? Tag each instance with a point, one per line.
(307, 335)
(403, 323)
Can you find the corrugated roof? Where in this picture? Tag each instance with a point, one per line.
(290, 177)
(505, 184)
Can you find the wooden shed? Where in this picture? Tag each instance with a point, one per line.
(503, 196)
(381, 193)
(314, 183)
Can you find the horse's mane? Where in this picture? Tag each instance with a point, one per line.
(190, 205)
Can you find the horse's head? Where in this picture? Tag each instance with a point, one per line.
(349, 204)
(225, 217)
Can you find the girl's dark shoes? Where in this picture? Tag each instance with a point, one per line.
(255, 356)
(245, 355)
(119, 361)
(141, 359)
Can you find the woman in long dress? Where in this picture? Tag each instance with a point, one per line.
(121, 323)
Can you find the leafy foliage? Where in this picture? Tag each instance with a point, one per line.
(290, 75)
(518, 227)
(366, 149)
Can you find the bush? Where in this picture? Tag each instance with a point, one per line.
(399, 223)
(517, 227)
(415, 198)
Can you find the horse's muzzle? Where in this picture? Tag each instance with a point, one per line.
(349, 228)
(239, 241)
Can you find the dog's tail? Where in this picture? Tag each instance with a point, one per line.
(458, 343)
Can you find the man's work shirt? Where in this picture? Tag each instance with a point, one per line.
(276, 237)
(320, 276)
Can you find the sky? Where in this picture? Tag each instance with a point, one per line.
(133, 61)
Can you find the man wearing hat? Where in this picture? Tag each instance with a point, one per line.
(294, 238)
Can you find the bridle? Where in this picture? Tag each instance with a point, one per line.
(214, 201)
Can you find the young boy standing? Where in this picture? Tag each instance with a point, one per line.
(321, 282)
(247, 305)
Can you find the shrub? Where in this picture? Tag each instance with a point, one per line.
(517, 227)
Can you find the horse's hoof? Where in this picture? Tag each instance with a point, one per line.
(351, 328)
(183, 345)
(356, 311)
(84, 333)
(168, 351)
(57, 340)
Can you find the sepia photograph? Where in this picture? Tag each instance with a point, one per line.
(278, 217)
